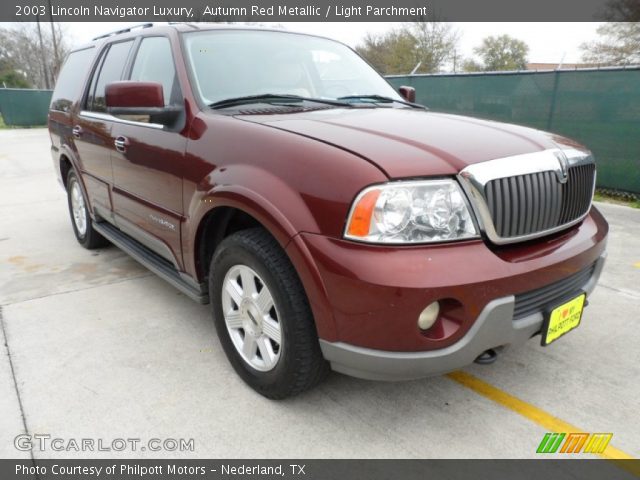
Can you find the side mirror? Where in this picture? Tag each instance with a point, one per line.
(139, 98)
(408, 93)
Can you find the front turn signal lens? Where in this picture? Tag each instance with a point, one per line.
(360, 220)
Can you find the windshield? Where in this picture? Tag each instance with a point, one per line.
(230, 64)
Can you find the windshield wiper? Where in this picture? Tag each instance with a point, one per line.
(382, 99)
(275, 97)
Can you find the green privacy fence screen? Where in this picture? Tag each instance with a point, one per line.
(24, 108)
(600, 108)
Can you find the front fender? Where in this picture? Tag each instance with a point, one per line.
(279, 225)
(289, 183)
(257, 192)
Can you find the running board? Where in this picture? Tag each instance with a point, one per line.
(152, 261)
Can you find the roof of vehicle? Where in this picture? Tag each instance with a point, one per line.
(151, 28)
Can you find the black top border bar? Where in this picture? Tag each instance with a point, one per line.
(263, 11)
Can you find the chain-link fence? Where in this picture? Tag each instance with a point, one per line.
(599, 108)
(22, 107)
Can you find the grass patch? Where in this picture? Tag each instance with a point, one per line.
(4, 126)
(619, 198)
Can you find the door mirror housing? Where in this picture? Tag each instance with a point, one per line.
(140, 98)
(408, 93)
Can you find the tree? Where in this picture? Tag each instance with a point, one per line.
(436, 43)
(398, 51)
(619, 45)
(502, 53)
(390, 53)
(20, 50)
(471, 65)
(9, 78)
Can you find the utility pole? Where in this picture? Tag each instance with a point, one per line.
(42, 55)
(56, 54)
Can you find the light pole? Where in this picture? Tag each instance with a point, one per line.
(56, 55)
(42, 55)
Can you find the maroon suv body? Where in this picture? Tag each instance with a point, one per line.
(388, 241)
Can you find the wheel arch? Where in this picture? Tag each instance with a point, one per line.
(65, 165)
(67, 161)
(232, 210)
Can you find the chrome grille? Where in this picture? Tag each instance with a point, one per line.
(526, 196)
(537, 202)
(537, 300)
(576, 199)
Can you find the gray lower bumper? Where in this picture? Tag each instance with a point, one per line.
(494, 328)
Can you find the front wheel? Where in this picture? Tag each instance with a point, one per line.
(262, 316)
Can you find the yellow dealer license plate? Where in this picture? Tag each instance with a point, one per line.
(563, 319)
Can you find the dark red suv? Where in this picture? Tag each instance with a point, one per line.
(328, 220)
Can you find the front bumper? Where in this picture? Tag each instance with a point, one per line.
(366, 299)
(494, 328)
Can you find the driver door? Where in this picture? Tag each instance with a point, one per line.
(148, 159)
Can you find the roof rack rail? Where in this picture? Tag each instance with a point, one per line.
(192, 25)
(124, 30)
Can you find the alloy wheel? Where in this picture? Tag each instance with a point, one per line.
(252, 318)
(78, 209)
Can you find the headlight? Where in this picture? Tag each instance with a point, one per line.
(411, 212)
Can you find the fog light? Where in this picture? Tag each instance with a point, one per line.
(428, 316)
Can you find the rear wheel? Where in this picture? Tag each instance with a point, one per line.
(263, 317)
(80, 218)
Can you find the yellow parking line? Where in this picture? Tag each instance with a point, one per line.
(537, 415)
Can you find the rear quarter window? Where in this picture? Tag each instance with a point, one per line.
(69, 84)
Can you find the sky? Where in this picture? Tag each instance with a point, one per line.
(549, 42)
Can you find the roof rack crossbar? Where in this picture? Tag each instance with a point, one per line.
(124, 30)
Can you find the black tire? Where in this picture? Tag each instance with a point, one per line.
(301, 364)
(90, 239)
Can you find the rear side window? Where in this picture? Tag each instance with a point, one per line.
(109, 71)
(70, 79)
(154, 63)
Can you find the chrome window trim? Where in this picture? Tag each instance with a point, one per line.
(475, 177)
(111, 118)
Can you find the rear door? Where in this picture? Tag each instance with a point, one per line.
(149, 159)
(92, 129)
(64, 102)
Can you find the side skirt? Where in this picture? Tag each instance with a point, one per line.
(154, 262)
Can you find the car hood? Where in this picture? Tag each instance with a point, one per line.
(409, 142)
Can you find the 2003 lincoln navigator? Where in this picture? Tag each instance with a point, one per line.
(331, 222)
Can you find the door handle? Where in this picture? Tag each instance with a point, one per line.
(77, 131)
(121, 144)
